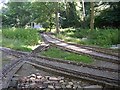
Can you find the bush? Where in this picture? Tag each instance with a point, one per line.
(105, 37)
(28, 36)
(99, 37)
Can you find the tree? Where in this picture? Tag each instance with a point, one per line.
(17, 14)
(92, 16)
(110, 16)
(83, 18)
(57, 17)
(69, 16)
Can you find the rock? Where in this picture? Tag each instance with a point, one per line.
(68, 86)
(70, 83)
(51, 83)
(40, 86)
(37, 74)
(32, 78)
(47, 77)
(79, 86)
(57, 87)
(32, 85)
(79, 82)
(30, 81)
(43, 79)
(74, 81)
(64, 83)
(51, 86)
(48, 82)
(22, 80)
(38, 77)
(37, 81)
(61, 81)
(94, 87)
(60, 78)
(63, 86)
(33, 75)
(53, 79)
(26, 86)
(75, 86)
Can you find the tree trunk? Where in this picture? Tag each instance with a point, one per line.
(50, 22)
(92, 16)
(83, 16)
(57, 18)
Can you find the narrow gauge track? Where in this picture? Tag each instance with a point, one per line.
(99, 76)
(92, 74)
(109, 51)
(13, 63)
(21, 54)
(86, 73)
(7, 75)
(80, 50)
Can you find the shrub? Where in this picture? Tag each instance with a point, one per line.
(28, 36)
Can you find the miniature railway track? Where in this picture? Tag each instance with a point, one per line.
(21, 54)
(112, 52)
(82, 71)
(81, 50)
(91, 74)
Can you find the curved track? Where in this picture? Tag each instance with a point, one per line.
(108, 51)
(77, 49)
(87, 73)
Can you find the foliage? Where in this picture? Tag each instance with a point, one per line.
(16, 14)
(69, 17)
(20, 38)
(100, 37)
(15, 44)
(29, 36)
(44, 13)
(19, 14)
(57, 53)
(109, 17)
(105, 37)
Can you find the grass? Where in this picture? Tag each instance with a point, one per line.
(98, 37)
(58, 53)
(19, 38)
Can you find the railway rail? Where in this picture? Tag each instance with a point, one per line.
(81, 50)
(109, 51)
(87, 72)
(32, 54)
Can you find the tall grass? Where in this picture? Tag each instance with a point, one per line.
(29, 36)
(99, 37)
(20, 38)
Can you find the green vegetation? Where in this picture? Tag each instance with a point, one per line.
(58, 53)
(99, 37)
(72, 14)
(19, 38)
